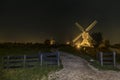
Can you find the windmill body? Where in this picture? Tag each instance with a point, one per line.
(86, 38)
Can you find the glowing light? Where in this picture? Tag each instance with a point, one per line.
(52, 42)
(86, 42)
(78, 46)
(68, 43)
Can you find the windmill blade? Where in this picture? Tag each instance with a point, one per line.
(79, 26)
(90, 37)
(91, 26)
(74, 40)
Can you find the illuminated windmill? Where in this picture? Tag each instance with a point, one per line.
(86, 38)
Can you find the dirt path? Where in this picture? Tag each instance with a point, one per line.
(75, 68)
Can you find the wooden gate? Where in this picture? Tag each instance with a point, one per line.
(107, 58)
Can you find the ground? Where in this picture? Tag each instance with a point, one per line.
(76, 68)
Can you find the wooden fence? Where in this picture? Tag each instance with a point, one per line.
(31, 60)
(107, 58)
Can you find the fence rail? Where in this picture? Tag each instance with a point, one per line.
(31, 60)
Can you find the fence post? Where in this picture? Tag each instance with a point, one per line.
(58, 58)
(101, 58)
(2, 62)
(41, 59)
(24, 61)
(114, 59)
(8, 57)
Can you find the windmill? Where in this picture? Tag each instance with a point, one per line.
(86, 38)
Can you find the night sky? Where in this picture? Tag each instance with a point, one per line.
(36, 21)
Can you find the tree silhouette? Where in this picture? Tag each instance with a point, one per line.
(98, 38)
(47, 42)
(107, 43)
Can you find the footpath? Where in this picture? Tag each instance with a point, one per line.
(76, 68)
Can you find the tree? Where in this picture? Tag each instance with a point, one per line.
(107, 43)
(97, 37)
(47, 42)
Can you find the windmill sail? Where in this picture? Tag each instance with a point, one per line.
(74, 40)
(91, 26)
(79, 26)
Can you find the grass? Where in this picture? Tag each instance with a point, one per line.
(20, 50)
(35, 73)
(97, 65)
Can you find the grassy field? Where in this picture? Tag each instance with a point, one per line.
(35, 73)
(20, 49)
